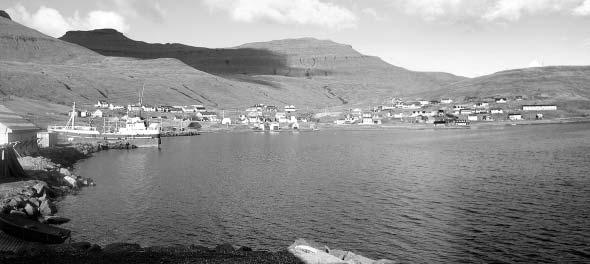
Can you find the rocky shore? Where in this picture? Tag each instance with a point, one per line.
(83, 252)
(48, 176)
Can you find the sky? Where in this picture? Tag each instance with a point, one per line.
(464, 37)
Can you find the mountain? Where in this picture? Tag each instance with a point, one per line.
(336, 70)
(38, 67)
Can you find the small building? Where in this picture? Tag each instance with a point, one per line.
(496, 111)
(518, 98)
(501, 100)
(424, 102)
(472, 117)
(84, 113)
(46, 139)
(465, 111)
(481, 105)
(14, 128)
(290, 108)
(226, 121)
(446, 100)
(97, 113)
(459, 107)
(146, 108)
(210, 116)
(539, 107)
(102, 104)
(515, 117)
(115, 107)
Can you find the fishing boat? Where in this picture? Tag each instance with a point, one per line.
(136, 131)
(30, 230)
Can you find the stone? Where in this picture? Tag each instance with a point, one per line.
(40, 188)
(29, 192)
(34, 201)
(245, 249)
(225, 248)
(17, 202)
(71, 181)
(65, 171)
(55, 220)
(30, 210)
(47, 208)
(17, 212)
(116, 248)
(94, 249)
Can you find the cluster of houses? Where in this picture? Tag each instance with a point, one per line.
(261, 113)
(443, 110)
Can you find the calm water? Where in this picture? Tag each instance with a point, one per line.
(506, 194)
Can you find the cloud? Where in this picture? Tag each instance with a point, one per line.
(373, 13)
(583, 9)
(150, 9)
(51, 22)
(490, 10)
(299, 12)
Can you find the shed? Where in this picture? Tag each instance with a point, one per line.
(14, 128)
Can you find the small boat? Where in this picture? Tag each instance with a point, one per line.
(30, 230)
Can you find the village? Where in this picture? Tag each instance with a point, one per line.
(449, 112)
(193, 119)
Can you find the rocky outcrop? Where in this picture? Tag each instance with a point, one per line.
(311, 252)
(4, 14)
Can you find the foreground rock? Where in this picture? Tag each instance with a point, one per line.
(83, 252)
(313, 253)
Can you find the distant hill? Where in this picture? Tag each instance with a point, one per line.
(566, 86)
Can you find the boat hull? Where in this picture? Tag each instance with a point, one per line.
(30, 230)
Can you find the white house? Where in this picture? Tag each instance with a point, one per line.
(290, 108)
(539, 107)
(97, 113)
(497, 111)
(446, 100)
(115, 107)
(472, 117)
(226, 121)
(481, 105)
(501, 100)
(424, 102)
(515, 116)
(101, 104)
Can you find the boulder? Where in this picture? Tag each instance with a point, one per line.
(47, 208)
(34, 201)
(55, 220)
(29, 192)
(18, 212)
(94, 249)
(40, 188)
(71, 181)
(225, 248)
(30, 210)
(65, 172)
(245, 249)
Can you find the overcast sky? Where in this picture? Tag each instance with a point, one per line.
(463, 37)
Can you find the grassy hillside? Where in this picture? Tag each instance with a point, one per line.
(566, 86)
